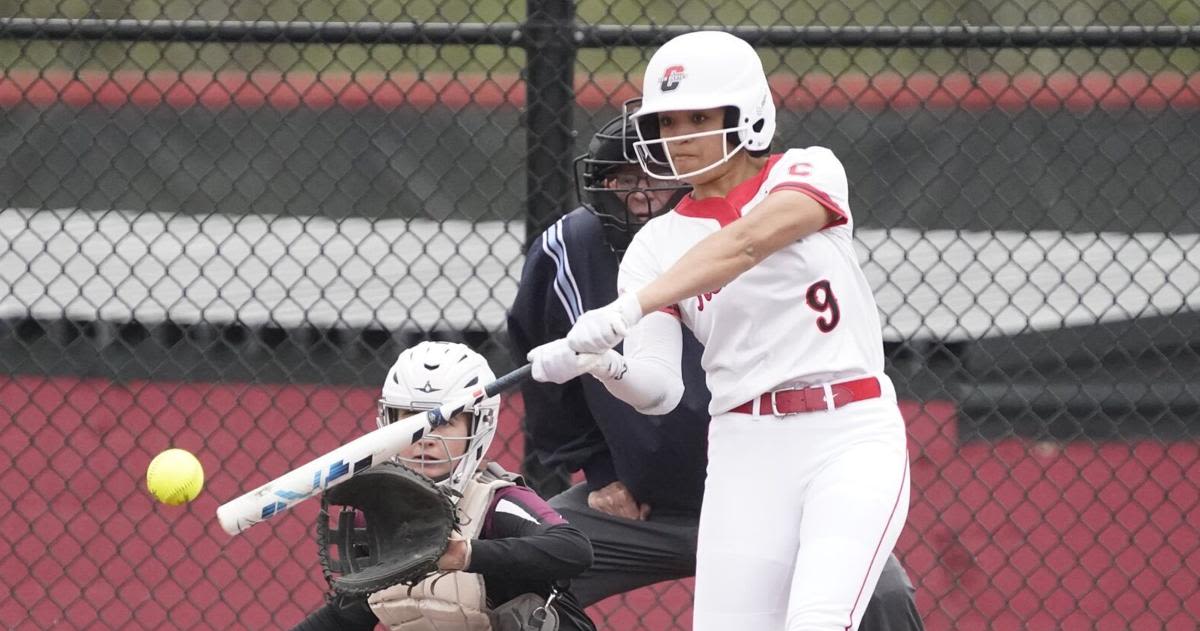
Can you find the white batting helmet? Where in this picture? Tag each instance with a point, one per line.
(427, 375)
(698, 71)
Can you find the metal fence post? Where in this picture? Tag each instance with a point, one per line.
(549, 111)
(549, 135)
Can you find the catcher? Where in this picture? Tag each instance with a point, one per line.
(464, 545)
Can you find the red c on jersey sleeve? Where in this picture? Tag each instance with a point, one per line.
(816, 172)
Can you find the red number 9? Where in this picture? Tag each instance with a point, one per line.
(820, 298)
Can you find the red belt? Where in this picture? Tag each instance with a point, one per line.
(812, 399)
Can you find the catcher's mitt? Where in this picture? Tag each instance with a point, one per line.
(393, 526)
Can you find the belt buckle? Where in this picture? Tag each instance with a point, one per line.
(775, 406)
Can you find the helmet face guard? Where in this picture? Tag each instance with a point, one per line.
(607, 186)
(625, 206)
(481, 430)
(653, 152)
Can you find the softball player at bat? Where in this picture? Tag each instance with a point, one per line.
(807, 487)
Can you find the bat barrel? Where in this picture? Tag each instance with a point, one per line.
(316, 476)
(342, 463)
(227, 515)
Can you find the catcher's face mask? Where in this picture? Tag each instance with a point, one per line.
(450, 453)
(610, 183)
(441, 450)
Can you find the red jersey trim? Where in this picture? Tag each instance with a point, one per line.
(821, 198)
(727, 209)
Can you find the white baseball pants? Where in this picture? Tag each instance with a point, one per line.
(800, 513)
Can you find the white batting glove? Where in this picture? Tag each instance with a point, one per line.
(609, 366)
(555, 362)
(600, 329)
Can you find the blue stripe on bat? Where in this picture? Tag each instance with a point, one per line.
(337, 470)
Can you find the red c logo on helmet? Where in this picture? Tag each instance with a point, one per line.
(671, 78)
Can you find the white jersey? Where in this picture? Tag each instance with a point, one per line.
(804, 315)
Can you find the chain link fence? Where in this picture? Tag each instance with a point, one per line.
(221, 221)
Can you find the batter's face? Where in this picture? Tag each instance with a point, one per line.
(693, 154)
(642, 196)
(439, 451)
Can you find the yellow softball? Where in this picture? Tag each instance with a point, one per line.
(175, 477)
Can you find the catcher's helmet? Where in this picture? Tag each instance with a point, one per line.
(698, 71)
(614, 197)
(423, 378)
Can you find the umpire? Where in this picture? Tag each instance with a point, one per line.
(640, 503)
